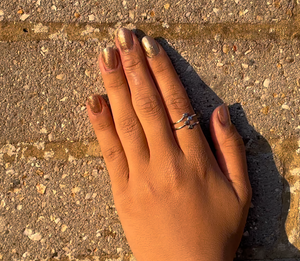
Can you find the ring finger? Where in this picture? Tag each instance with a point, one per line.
(174, 96)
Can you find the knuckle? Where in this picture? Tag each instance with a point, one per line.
(177, 102)
(128, 125)
(245, 194)
(161, 67)
(112, 153)
(132, 63)
(234, 139)
(149, 105)
(117, 83)
(102, 126)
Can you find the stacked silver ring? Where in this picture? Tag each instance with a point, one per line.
(187, 121)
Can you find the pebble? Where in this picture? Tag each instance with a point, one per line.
(44, 49)
(2, 204)
(50, 137)
(61, 76)
(39, 172)
(26, 254)
(91, 17)
(245, 66)
(23, 17)
(216, 10)
(265, 110)
(1, 13)
(226, 48)
(188, 14)
(131, 14)
(167, 6)
(72, 159)
(220, 64)
(88, 196)
(75, 190)
(19, 207)
(20, 11)
(247, 78)
(43, 130)
(53, 7)
(41, 188)
(64, 228)
(64, 99)
(289, 59)
(246, 234)
(247, 52)
(76, 15)
(267, 83)
(217, 37)
(285, 107)
(35, 237)
(165, 25)
(27, 232)
(40, 28)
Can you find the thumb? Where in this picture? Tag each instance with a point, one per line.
(230, 152)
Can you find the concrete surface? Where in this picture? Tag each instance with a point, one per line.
(55, 197)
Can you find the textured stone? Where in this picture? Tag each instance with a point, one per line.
(239, 52)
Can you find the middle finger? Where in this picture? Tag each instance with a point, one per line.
(146, 99)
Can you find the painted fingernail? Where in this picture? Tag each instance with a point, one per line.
(94, 103)
(224, 116)
(150, 46)
(109, 58)
(125, 39)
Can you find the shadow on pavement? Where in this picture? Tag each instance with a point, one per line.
(265, 236)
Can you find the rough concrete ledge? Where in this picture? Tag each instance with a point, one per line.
(33, 31)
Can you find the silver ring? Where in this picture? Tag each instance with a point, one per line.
(188, 118)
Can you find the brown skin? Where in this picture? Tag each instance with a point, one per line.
(175, 199)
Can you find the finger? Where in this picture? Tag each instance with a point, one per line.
(109, 141)
(127, 124)
(145, 97)
(174, 95)
(230, 152)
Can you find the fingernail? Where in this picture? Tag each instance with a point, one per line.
(150, 46)
(125, 39)
(109, 58)
(94, 103)
(224, 116)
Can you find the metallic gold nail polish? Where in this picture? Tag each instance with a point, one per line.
(150, 46)
(94, 103)
(125, 39)
(109, 58)
(224, 116)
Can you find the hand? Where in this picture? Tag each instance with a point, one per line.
(175, 200)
